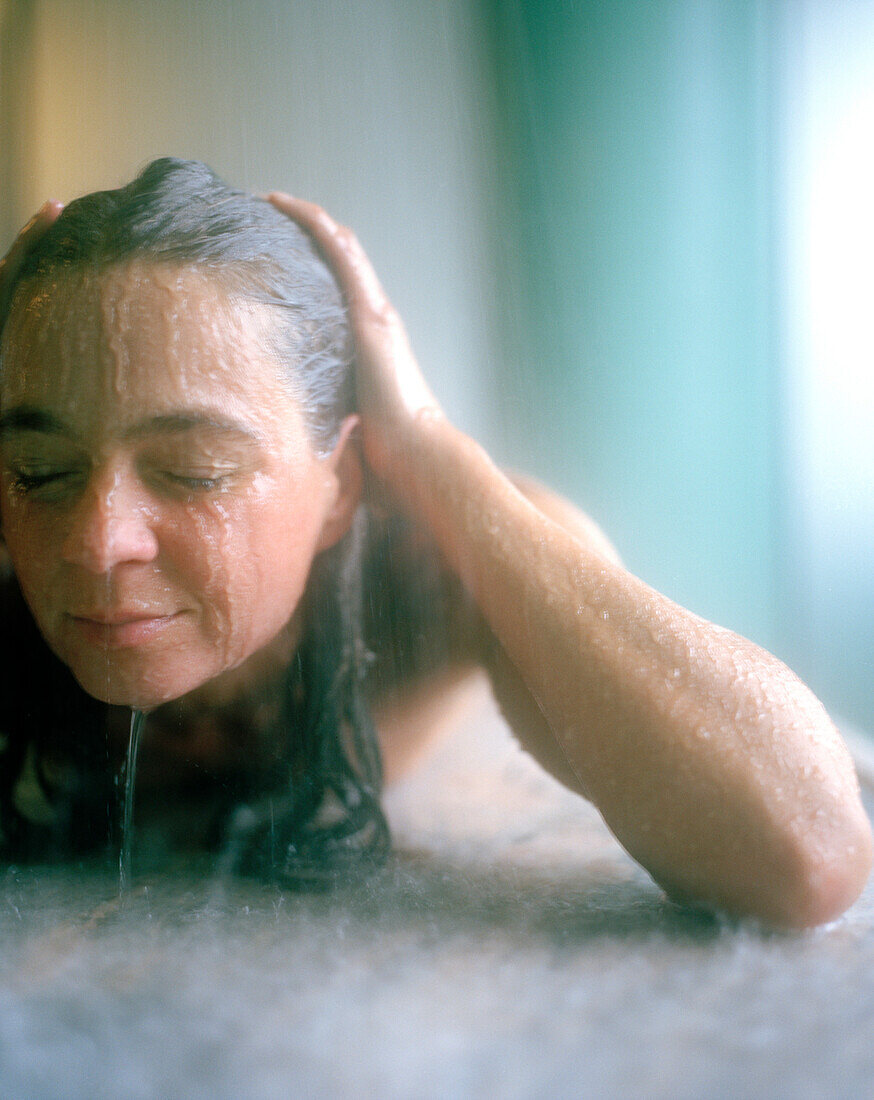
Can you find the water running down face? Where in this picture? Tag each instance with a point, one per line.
(161, 500)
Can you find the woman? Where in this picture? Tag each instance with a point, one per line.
(181, 474)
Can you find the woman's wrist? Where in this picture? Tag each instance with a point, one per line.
(447, 481)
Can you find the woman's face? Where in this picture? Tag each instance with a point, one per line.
(161, 501)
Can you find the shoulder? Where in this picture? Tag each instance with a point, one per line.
(417, 621)
(422, 630)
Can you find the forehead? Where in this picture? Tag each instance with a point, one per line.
(140, 337)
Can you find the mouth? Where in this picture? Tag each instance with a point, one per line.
(120, 629)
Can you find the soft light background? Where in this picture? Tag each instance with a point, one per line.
(632, 242)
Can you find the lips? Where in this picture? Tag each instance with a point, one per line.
(119, 628)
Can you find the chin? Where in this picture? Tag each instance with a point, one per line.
(139, 692)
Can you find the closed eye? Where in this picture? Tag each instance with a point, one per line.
(194, 483)
(44, 482)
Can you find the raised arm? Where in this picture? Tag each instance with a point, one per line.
(711, 762)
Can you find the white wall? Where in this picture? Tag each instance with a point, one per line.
(374, 109)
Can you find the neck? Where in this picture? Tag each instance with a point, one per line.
(245, 688)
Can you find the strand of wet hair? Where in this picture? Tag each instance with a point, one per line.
(327, 825)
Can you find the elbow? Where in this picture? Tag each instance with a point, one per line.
(797, 881)
(827, 875)
(821, 874)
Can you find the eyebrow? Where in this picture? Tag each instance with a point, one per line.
(174, 423)
(30, 418)
(27, 418)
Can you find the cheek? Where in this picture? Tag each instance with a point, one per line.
(249, 563)
(281, 554)
(30, 540)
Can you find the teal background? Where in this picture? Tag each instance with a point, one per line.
(648, 384)
(676, 357)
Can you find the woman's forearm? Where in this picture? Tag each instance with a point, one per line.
(711, 762)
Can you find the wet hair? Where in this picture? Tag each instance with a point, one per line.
(181, 212)
(318, 818)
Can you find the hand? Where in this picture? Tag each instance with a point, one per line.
(392, 393)
(11, 263)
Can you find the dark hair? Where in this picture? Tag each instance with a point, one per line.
(180, 212)
(321, 815)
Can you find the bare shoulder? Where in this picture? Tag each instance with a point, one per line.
(422, 631)
(432, 648)
(417, 716)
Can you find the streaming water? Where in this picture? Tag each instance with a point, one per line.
(137, 719)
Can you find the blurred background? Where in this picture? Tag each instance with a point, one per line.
(633, 242)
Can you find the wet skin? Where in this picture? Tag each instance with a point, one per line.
(161, 500)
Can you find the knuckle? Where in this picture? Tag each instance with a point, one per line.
(344, 237)
(383, 318)
(385, 313)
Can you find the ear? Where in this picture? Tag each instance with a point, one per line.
(344, 464)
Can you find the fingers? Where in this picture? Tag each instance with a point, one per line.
(389, 383)
(343, 251)
(11, 263)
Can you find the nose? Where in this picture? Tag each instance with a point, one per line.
(111, 524)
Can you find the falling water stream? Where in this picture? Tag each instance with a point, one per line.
(137, 720)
